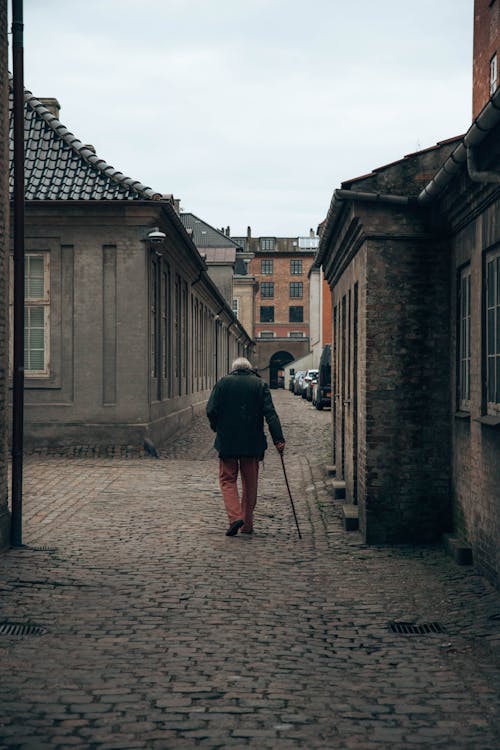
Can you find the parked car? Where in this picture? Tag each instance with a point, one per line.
(310, 387)
(309, 375)
(297, 384)
(322, 395)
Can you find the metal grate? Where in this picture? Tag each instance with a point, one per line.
(42, 548)
(17, 628)
(410, 628)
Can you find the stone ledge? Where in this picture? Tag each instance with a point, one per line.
(338, 486)
(350, 517)
(458, 549)
(331, 470)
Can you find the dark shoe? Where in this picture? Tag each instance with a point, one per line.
(234, 528)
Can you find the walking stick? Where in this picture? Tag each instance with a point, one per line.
(290, 495)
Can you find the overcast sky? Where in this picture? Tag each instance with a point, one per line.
(253, 111)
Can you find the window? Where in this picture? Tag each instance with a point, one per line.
(296, 267)
(267, 289)
(296, 334)
(493, 74)
(267, 314)
(267, 243)
(308, 243)
(266, 267)
(266, 335)
(296, 314)
(464, 340)
(241, 241)
(296, 289)
(36, 314)
(236, 307)
(493, 332)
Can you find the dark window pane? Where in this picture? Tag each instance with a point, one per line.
(267, 314)
(296, 314)
(491, 331)
(491, 283)
(491, 378)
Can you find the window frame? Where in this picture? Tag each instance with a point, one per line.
(266, 335)
(267, 244)
(268, 288)
(464, 338)
(294, 288)
(296, 267)
(492, 312)
(267, 267)
(31, 302)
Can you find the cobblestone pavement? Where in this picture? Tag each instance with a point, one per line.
(161, 632)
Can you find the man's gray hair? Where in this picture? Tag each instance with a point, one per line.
(241, 363)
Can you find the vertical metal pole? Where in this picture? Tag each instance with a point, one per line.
(18, 370)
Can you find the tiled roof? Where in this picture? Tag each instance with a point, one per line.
(59, 167)
(205, 235)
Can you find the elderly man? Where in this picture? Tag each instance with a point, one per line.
(236, 410)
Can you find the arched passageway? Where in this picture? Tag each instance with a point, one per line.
(277, 362)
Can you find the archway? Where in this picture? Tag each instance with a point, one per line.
(277, 362)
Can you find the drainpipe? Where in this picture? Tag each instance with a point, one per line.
(18, 370)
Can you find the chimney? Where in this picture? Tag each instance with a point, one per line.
(177, 206)
(249, 232)
(228, 231)
(311, 233)
(52, 105)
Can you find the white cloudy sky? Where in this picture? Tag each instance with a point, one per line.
(253, 111)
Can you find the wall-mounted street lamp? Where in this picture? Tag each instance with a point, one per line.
(156, 238)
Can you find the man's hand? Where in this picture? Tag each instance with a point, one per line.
(280, 447)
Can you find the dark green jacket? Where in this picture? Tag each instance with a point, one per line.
(236, 409)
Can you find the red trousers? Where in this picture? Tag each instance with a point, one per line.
(248, 467)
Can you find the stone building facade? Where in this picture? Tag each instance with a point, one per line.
(4, 247)
(280, 267)
(126, 332)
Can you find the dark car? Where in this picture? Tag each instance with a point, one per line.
(323, 389)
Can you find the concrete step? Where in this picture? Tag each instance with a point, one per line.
(331, 470)
(458, 549)
(350, 517)
(338, 486)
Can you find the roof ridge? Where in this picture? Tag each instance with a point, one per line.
(83, 151)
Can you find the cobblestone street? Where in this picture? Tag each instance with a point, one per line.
(161, 632)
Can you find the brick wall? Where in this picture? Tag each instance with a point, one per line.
(486, 43)
(4, 517)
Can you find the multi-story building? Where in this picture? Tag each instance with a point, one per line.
(280, 266)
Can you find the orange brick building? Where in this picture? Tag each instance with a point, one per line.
(280, 266)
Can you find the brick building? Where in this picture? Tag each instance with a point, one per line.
(280, 266)
(4, 245)
(412, 256)
(486, 72)
(126, 332)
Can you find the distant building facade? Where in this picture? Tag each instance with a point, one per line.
(126, 332)
(4, 278)
(280, 266)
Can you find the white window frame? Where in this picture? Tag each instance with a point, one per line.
(464, 338)
(492, 322)
(30, 303)
(296, 334)
(493, 74)
(266, 334)
(236, 306)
